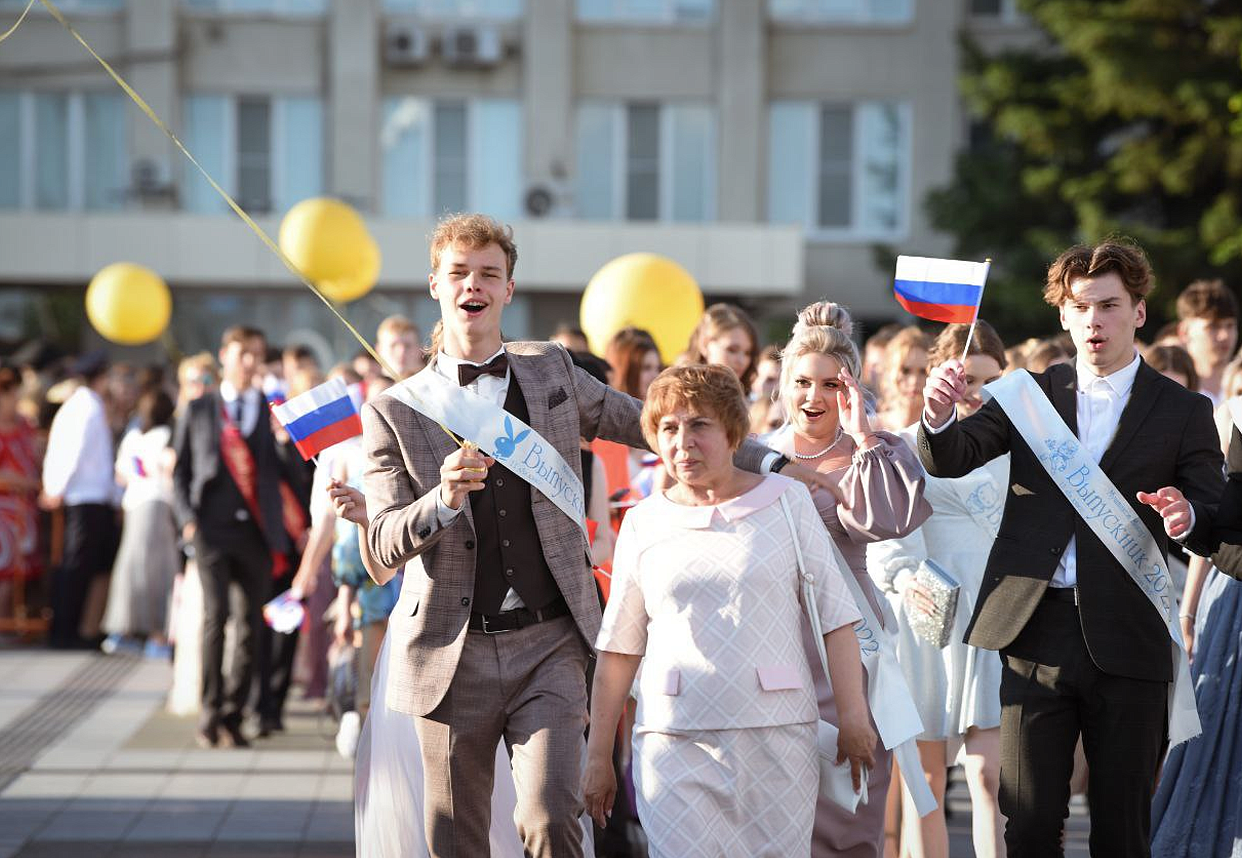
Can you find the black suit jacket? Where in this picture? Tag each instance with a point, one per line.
(196, 441)
(1165, 437)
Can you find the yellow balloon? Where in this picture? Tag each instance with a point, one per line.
(325, 238)
(642, 290)
(353, 287)
(128, 304)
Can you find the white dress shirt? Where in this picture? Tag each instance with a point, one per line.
(1098, 403)
(249, 417)
(78, 466)
(494, 389)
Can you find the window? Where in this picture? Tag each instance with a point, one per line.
(857, 158)
(271, 7)
(1000, 10)
(646, 11)
(842, 11)
(267, 152)
(492, 10)
(451, 155)
(46, 162)
(646, 161)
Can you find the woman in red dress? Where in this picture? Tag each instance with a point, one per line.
(19, 487)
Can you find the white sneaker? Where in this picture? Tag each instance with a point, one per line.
(347, 735)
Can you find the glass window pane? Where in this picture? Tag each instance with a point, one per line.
(206, 129)
(836, 146)
(404, 144)
(450, 157)
(10, 150)
(692, 162)
(300, 158)
(791, 157)
(596, 161)
(254, 154)
(883, 133)
(642, 170)
(985, 7)
(496, 157)
(106, 151)
(51, 150)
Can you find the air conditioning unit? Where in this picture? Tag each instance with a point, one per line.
(473, 46)
(405, 45)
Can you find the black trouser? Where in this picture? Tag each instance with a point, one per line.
(235, 568)
(1051, 691)
(276, 653)
(90, 548)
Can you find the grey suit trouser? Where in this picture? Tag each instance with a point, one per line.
(529, 687)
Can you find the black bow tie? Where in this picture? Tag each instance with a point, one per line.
(497, 366)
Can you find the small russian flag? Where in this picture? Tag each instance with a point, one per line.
(320, 417)
(943, 290)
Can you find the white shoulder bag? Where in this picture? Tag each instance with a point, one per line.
(836, 781)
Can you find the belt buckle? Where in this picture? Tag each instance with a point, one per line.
(487, 631)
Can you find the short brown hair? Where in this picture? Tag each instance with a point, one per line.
(241, 334)
(1207, 299)
(1120, 256)
(707, 388)
(1173, 359)
(475, 231)
(952, 340)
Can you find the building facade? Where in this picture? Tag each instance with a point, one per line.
(770, 146)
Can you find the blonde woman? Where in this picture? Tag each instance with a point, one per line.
(880, 482)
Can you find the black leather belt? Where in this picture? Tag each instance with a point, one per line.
(1062, 594)
(519, 618)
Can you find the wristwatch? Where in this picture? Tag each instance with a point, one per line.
(779, 462)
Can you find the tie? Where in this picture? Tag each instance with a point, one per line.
(497, 366)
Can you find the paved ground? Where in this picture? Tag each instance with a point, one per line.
(92, 766)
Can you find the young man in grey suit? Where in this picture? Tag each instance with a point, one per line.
(1084, 653)
(497, 616)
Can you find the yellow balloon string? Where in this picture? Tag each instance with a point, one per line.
(20, 18)
(237, 209)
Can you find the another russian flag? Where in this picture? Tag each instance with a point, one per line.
(944, 290)
(320, 417)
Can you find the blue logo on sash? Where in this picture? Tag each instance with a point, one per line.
(507, 446)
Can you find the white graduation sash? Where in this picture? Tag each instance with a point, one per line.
(1111, 518)
(498, 433)
(892, 706)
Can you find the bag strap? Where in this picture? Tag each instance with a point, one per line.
(807, 581)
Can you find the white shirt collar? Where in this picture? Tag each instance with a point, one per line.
(229, 393)
(1120, 381)
(447, 365)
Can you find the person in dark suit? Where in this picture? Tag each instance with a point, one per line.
(1084, 652)
(228, 501)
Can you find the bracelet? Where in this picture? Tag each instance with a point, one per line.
(1186, 616)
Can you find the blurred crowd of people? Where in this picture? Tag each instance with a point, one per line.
(119, 531)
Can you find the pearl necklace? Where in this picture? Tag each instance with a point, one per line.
(822, 452)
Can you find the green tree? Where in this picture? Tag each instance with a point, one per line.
(1124, 120)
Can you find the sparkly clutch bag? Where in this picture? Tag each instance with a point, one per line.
(936, 628)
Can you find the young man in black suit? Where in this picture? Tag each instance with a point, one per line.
(1084, 651)
(228, 500)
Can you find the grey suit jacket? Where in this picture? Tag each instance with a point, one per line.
(406, 450)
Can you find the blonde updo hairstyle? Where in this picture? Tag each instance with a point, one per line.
(822, 328)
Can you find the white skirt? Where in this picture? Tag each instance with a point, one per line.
(717, 793)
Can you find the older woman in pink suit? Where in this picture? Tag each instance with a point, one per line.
(880, 484)
(706, 587)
